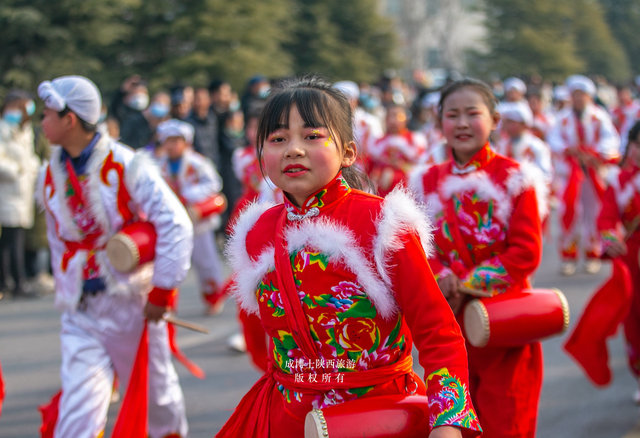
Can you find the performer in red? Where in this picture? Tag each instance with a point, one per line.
(91, 188)
(486, 212)
(394, 156)
(619, 227)
(340, 280)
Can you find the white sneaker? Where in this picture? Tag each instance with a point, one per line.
(568, 268)
(236, 342)
(592, 266)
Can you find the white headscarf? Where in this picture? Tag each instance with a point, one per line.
(175, 128)
(582, 83)
(77, 93)
(518, 112)
(349, 89)
(515, 84)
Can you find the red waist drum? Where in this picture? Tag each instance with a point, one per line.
(398, 416)
(215, 205)
(515, 319)
(132, 246)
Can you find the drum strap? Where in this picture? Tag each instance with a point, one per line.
(454, 229)
(294, 313)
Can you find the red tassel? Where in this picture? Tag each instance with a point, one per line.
(182, 358)
(602, 316)
(1, 390)
(49, 416)
(132, 418)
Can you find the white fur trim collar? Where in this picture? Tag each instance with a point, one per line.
(481, 184)
(252, 271)
(527, 176)
(400, 214)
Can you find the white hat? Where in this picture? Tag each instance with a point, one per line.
(175, 128)
(349, 89)
(517, 112)
(561, 93)
(431, 100)
(77, 93)
(515, 84)
(581, 83)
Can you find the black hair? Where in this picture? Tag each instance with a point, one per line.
(88, 127)
(634, 132)
(477, 85)
(319, 105)
(534, 91)
(216, 84)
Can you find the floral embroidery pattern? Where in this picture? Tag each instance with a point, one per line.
(452, 402)
(271, 295)
(343, 322)
(491, 276)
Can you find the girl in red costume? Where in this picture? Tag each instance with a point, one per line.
(620, 231)
(340, 280)
(486, 212)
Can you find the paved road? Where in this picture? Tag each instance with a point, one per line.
(29, 350)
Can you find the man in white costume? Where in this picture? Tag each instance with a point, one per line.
(193, 178)
(585, 143)
(93, 186)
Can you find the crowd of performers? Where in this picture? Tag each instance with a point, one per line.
(355, 238)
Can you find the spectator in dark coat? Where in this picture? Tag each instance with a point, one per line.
(205, 124)
(138, 129)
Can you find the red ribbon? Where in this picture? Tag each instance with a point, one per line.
(1, 390)
(132, 419)
(606, 310)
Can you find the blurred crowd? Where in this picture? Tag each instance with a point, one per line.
(396, 123)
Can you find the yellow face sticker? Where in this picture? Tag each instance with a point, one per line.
(328, 142)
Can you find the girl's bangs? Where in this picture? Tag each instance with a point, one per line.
(309, 103)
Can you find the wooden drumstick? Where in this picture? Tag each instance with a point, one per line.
(170, 318)
(474, 292)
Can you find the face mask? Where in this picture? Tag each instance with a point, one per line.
(31, 107)
(370, 102)
(13, 117)
(103, 117)
(234, 106)
(264, 91)
(139, 101)
(159, 110)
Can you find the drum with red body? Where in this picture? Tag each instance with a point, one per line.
(217, 204)
(398, 416)
(132, 246)
(515, 319)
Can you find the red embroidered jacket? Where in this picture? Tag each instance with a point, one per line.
(496, 243)
(367, 292)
